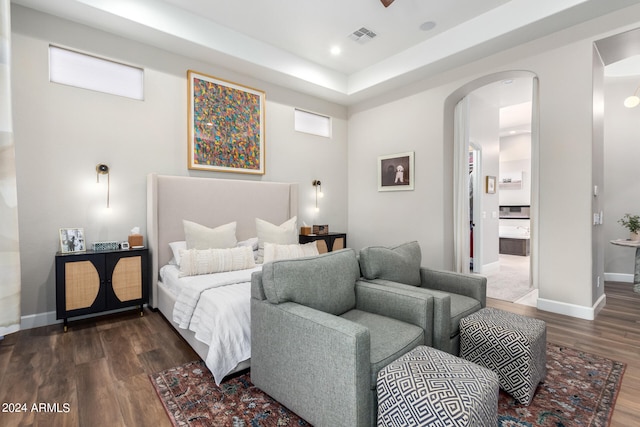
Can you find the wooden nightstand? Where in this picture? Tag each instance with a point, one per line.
(326, 242)
(95, 281)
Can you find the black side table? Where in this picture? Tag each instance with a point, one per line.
(326, 242)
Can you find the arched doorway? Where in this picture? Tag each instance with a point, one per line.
(487, 228)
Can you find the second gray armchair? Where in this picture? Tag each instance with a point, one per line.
(320, 335)
(455, 295)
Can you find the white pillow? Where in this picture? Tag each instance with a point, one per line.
(200, 237)
(274, 251)
(284, 234)
(176, 247)
(207, 261)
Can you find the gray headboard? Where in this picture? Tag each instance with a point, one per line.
(210, 202)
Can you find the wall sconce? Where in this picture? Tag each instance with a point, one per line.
(102, 169)
(319, 194)
(633, 100)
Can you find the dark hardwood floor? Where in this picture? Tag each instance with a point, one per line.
(96, 374)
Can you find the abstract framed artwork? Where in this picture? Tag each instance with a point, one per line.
(226, 126)
(396, 172)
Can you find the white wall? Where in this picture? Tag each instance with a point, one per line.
(61, 133)
(484, 127)
(414, 119)
(622, 156)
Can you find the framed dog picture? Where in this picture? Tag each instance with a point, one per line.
(396, 172)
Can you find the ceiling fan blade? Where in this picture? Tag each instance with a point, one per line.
(386, 3)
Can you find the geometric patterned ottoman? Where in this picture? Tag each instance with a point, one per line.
(511, 345)
(428, 387)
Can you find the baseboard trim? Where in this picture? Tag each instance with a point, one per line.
(37, 320)
(49, 318)
(618, 277)
(573, 310)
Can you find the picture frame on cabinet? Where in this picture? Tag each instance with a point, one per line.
(396, 172)
(226, 125)
(72, 240)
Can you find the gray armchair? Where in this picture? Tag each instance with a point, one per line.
(319, 336)
(455, 295)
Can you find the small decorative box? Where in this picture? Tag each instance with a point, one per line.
(305, 230)
(106, 246)
(321, 229)
(135, 240)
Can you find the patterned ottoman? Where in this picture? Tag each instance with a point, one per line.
(513, 346)
(428, 387)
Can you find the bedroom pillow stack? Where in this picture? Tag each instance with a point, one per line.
(206, 261)
(275, 252)
(283, 234)
(200, 237)
(211, 250)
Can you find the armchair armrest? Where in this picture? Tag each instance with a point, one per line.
(457, 283)
(405, 304)
(310, 360)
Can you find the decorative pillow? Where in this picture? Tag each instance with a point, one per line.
(399, 263)
(326, 282)
(274, 251)
(207, 261)
(176, 247)
(284, 234)
(200, 237)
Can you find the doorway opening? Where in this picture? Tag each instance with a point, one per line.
(499, 118)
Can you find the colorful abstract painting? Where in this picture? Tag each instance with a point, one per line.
(226, 126)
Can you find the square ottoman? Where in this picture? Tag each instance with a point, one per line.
(428, 387)
(511, 345)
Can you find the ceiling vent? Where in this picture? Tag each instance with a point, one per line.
(362, 35)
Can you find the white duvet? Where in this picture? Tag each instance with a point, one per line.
(216, 307)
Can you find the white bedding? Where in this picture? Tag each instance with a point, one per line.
(216, 307)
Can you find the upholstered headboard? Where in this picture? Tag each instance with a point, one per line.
(210, 202)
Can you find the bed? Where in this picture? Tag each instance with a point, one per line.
(209, 202)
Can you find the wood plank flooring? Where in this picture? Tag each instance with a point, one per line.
(96, 373)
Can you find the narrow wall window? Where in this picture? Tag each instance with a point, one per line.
(90, 72)
(312, 123)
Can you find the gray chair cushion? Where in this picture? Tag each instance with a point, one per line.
(399, 264)
(460, 305)
(390, 338)
(325, 283)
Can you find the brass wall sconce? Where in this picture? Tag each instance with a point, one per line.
(102, 169)
(319, 194)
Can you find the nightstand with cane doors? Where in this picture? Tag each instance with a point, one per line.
(96, 281)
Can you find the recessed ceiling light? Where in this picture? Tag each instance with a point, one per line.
(426, 26)
(335, 50)
(507, 82)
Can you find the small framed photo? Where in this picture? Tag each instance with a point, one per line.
(491, 184)
(72, 240)
(396, 172)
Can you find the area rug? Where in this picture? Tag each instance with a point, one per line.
(580, 390)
